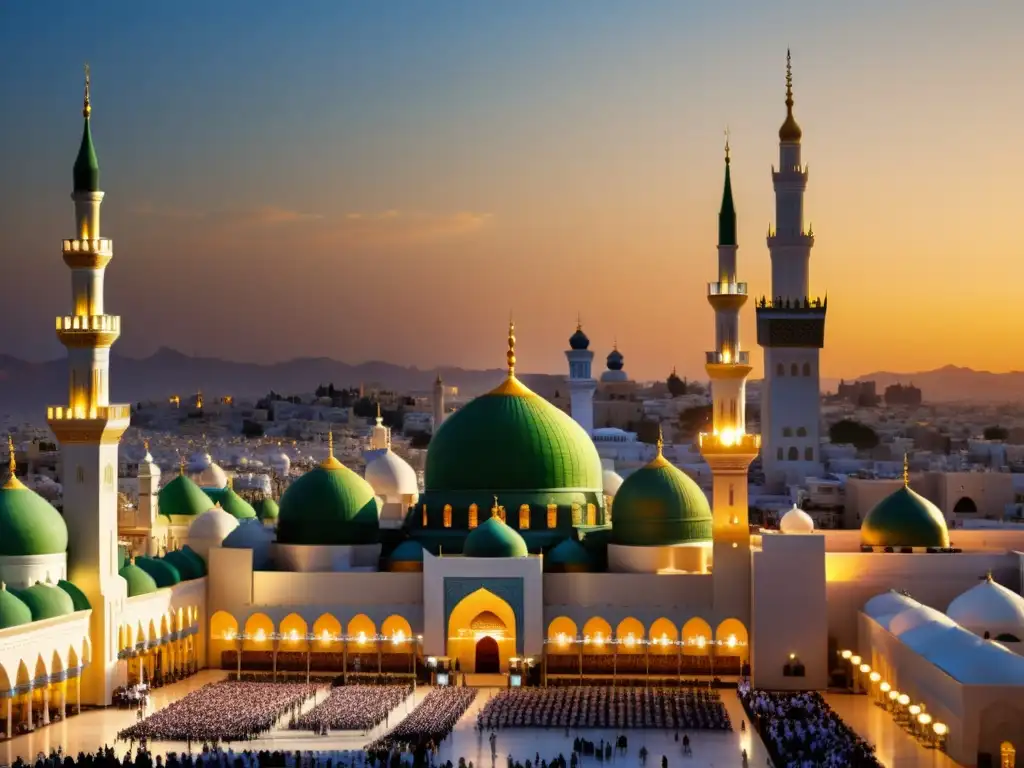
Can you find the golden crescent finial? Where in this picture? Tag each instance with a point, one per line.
(661, 439)
(87, 101)
(181, 465)
(510, 356)
(727, 143)
(330, 443)
(906, 471)
(579, 322)
(12, 463)
(378, 409)
(789, 79)
(145, 444)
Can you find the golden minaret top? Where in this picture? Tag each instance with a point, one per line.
(13, 483)
(511, 386)
(330, 462)
(906, 471)
(789, 132)
(86, 103)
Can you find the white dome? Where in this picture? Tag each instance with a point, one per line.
(973, 661)
(252, 535)
(882, 608)
(916, 616)
(209, 530)
(796, 521)
(611, 480)
(989, 607)
(280, 462)
(205, 473)
(391, 477)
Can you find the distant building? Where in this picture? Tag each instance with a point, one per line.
(898, 394)
(860, 393)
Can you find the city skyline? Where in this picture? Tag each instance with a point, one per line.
(390, 183)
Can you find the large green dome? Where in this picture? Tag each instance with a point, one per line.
(266, 509)
(13, 611)
(328, 506)
(163, 572)
(139, 582)
(494, 538)
(28, 524)
(235, 505)
(182, 496)
(903, 519)
(660, 505)
(511, 439)
(46, 601)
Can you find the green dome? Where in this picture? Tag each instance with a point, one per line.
(163, 572)
(408, 551)
(235, 505)
(184, 564)
(139, 582)
(660, 505)
(196, 558)
(13, 611)
(46, 601)
(28, 524)
(511, 439)
(493, 538)
(181, 496)
(78, 598)
(87, 167)
(266, 509)
(902, 519)
(568, 555)
(329, 506)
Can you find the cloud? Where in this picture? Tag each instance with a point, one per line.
(267, 215)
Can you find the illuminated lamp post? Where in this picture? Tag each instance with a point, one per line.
(941, 731)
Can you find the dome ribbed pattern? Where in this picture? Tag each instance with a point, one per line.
(904, 519)
(660, 505)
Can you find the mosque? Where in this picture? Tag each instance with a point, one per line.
(510, 559)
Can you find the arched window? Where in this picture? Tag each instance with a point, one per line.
(808, 454)
(577, 514)
(801, 432)
(552, 515)
(474, 516)
(425, 520)
(787, 432)
(794, 454)
(524, 517)
(591, 514)
(794, 370)
(780, 369)
(447, 516)
(807, 369)
(778, 454)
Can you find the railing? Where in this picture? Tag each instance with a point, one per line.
(725, 358)
(105, 412)
(727, 289)
(101, 245)
(808, 303)
(729, 441)
(110, 323)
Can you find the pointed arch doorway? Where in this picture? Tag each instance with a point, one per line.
(488, 656)
(482, 633)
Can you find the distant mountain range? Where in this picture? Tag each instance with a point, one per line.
(25, 388)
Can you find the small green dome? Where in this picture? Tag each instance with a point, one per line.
(46, 601)
(660, 505)
(329, 506)
(186, 567)
(494, 538)
(511, 439)
(196, 558)
(408, 551)
(139, 582)
(162, 572)
(181, 496)
(87, 167)
(903, 519)
(266, 508)
(569, 554)
(28, 524)
(13, 611)
(235, 505)
(78, 598)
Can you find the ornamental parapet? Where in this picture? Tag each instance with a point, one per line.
(727, 289)
(93, 253)
(808, 304)
(97, 424)
(728, 450)
(803, 240)
(727, 358)
(95, 331)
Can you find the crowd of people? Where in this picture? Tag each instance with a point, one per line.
(225, 711)
(353, 708)
(672, 708)
(801, 729)
(429, 724)
(209, 757)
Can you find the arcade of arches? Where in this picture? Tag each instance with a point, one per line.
(159, 652)
(630, 648)
(43, 689)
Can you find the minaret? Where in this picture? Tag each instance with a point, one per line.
(438, 403)
(88, 426)
(790, 324)
(380, 437)
(582, 384)
(148, 479)
(728, 449)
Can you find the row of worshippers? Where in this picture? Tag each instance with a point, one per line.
(353, 708)
(209, 757)
(801, 729)
(130, 696)
(224, 711)
(429, 723)
(606, 707)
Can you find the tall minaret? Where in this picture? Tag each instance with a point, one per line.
(790, 324)
(728, 449)
(89, 427)
(149, 499)
(582, 384)
(438, 403)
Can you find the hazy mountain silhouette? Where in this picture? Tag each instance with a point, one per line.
(951, 383)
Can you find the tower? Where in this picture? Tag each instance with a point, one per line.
(380, 436)
(438, 403)
(88, 427)
(728, 449)
(582, 384)
(790, 324)
(149, 499)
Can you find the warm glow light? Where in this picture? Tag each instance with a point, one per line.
(293, 635)
(847, 654)
(915, 710)
(865, 668)
(792, 656)
(924, 718)
(904, 700)
(855, 660)
(562, 639)
(229, 635)
(664, 638)
(361, 639)
(885, 687)
(727, 436)
(598, 639)
(940, 729)
(875, 677)
(726, 356)
(260, 636)
(731, 642)
(399, 637)
(700, 641)
(893, 695)
(630, 640)
(325, 636)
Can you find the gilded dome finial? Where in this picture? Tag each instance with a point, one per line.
(13, 483)
(661, 440)
(181, 465)
(378, 412)
(330, 462)
(87, 103)
(510, 356)
(145, 444)
(789, 79)
(495, 508)
(727, 144)
(906, 471)
(789, 132)
(579, 322)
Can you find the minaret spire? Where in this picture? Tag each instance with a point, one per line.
(790, 132)
(510, 356)
(87, 166)
(727, 214)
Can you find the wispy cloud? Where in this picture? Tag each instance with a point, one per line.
(267, 215)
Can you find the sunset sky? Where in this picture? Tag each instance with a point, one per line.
(369, 180)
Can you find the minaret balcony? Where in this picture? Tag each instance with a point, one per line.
(727, 289)
(727, 450)
(88, 330)
(88, 254)
(98, 424)
(803, 240)
(727, 358)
